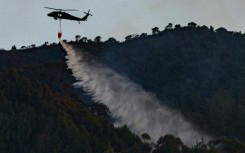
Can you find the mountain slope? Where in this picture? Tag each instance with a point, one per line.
(34, 118)
(197, 71)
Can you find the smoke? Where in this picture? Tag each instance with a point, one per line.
(128, 102)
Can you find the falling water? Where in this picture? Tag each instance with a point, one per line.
(141, 111)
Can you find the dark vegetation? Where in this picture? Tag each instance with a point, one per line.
(196, 70)
(34, 118)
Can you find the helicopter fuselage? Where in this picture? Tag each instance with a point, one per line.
(63, 15)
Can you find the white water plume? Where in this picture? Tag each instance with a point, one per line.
(141, 111)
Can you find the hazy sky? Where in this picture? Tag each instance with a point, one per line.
(24, 22)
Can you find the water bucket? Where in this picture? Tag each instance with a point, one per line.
(59, 35)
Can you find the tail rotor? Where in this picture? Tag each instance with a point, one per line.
(87, 13)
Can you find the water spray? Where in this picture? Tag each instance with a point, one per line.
(141, 111)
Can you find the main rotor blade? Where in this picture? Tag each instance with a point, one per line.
(69, 10)
(51, 8)
(60, 9)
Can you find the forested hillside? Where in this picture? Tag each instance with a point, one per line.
(196, 70)
(34, 118)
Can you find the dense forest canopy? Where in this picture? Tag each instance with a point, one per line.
(194, 69)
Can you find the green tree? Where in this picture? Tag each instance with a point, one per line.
(155, 30)
(170, 144)
(143, 35)
(221, 30)
(84, 39)
(145, 137)
(23, 47)
(111, 40)
(97, 39)
(192, 25)
(169, 26)
(13, 48)
(77, 37)
(129, 37)
(177, 26)
(33, 46)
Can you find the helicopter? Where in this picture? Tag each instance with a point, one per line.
(61, 14)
